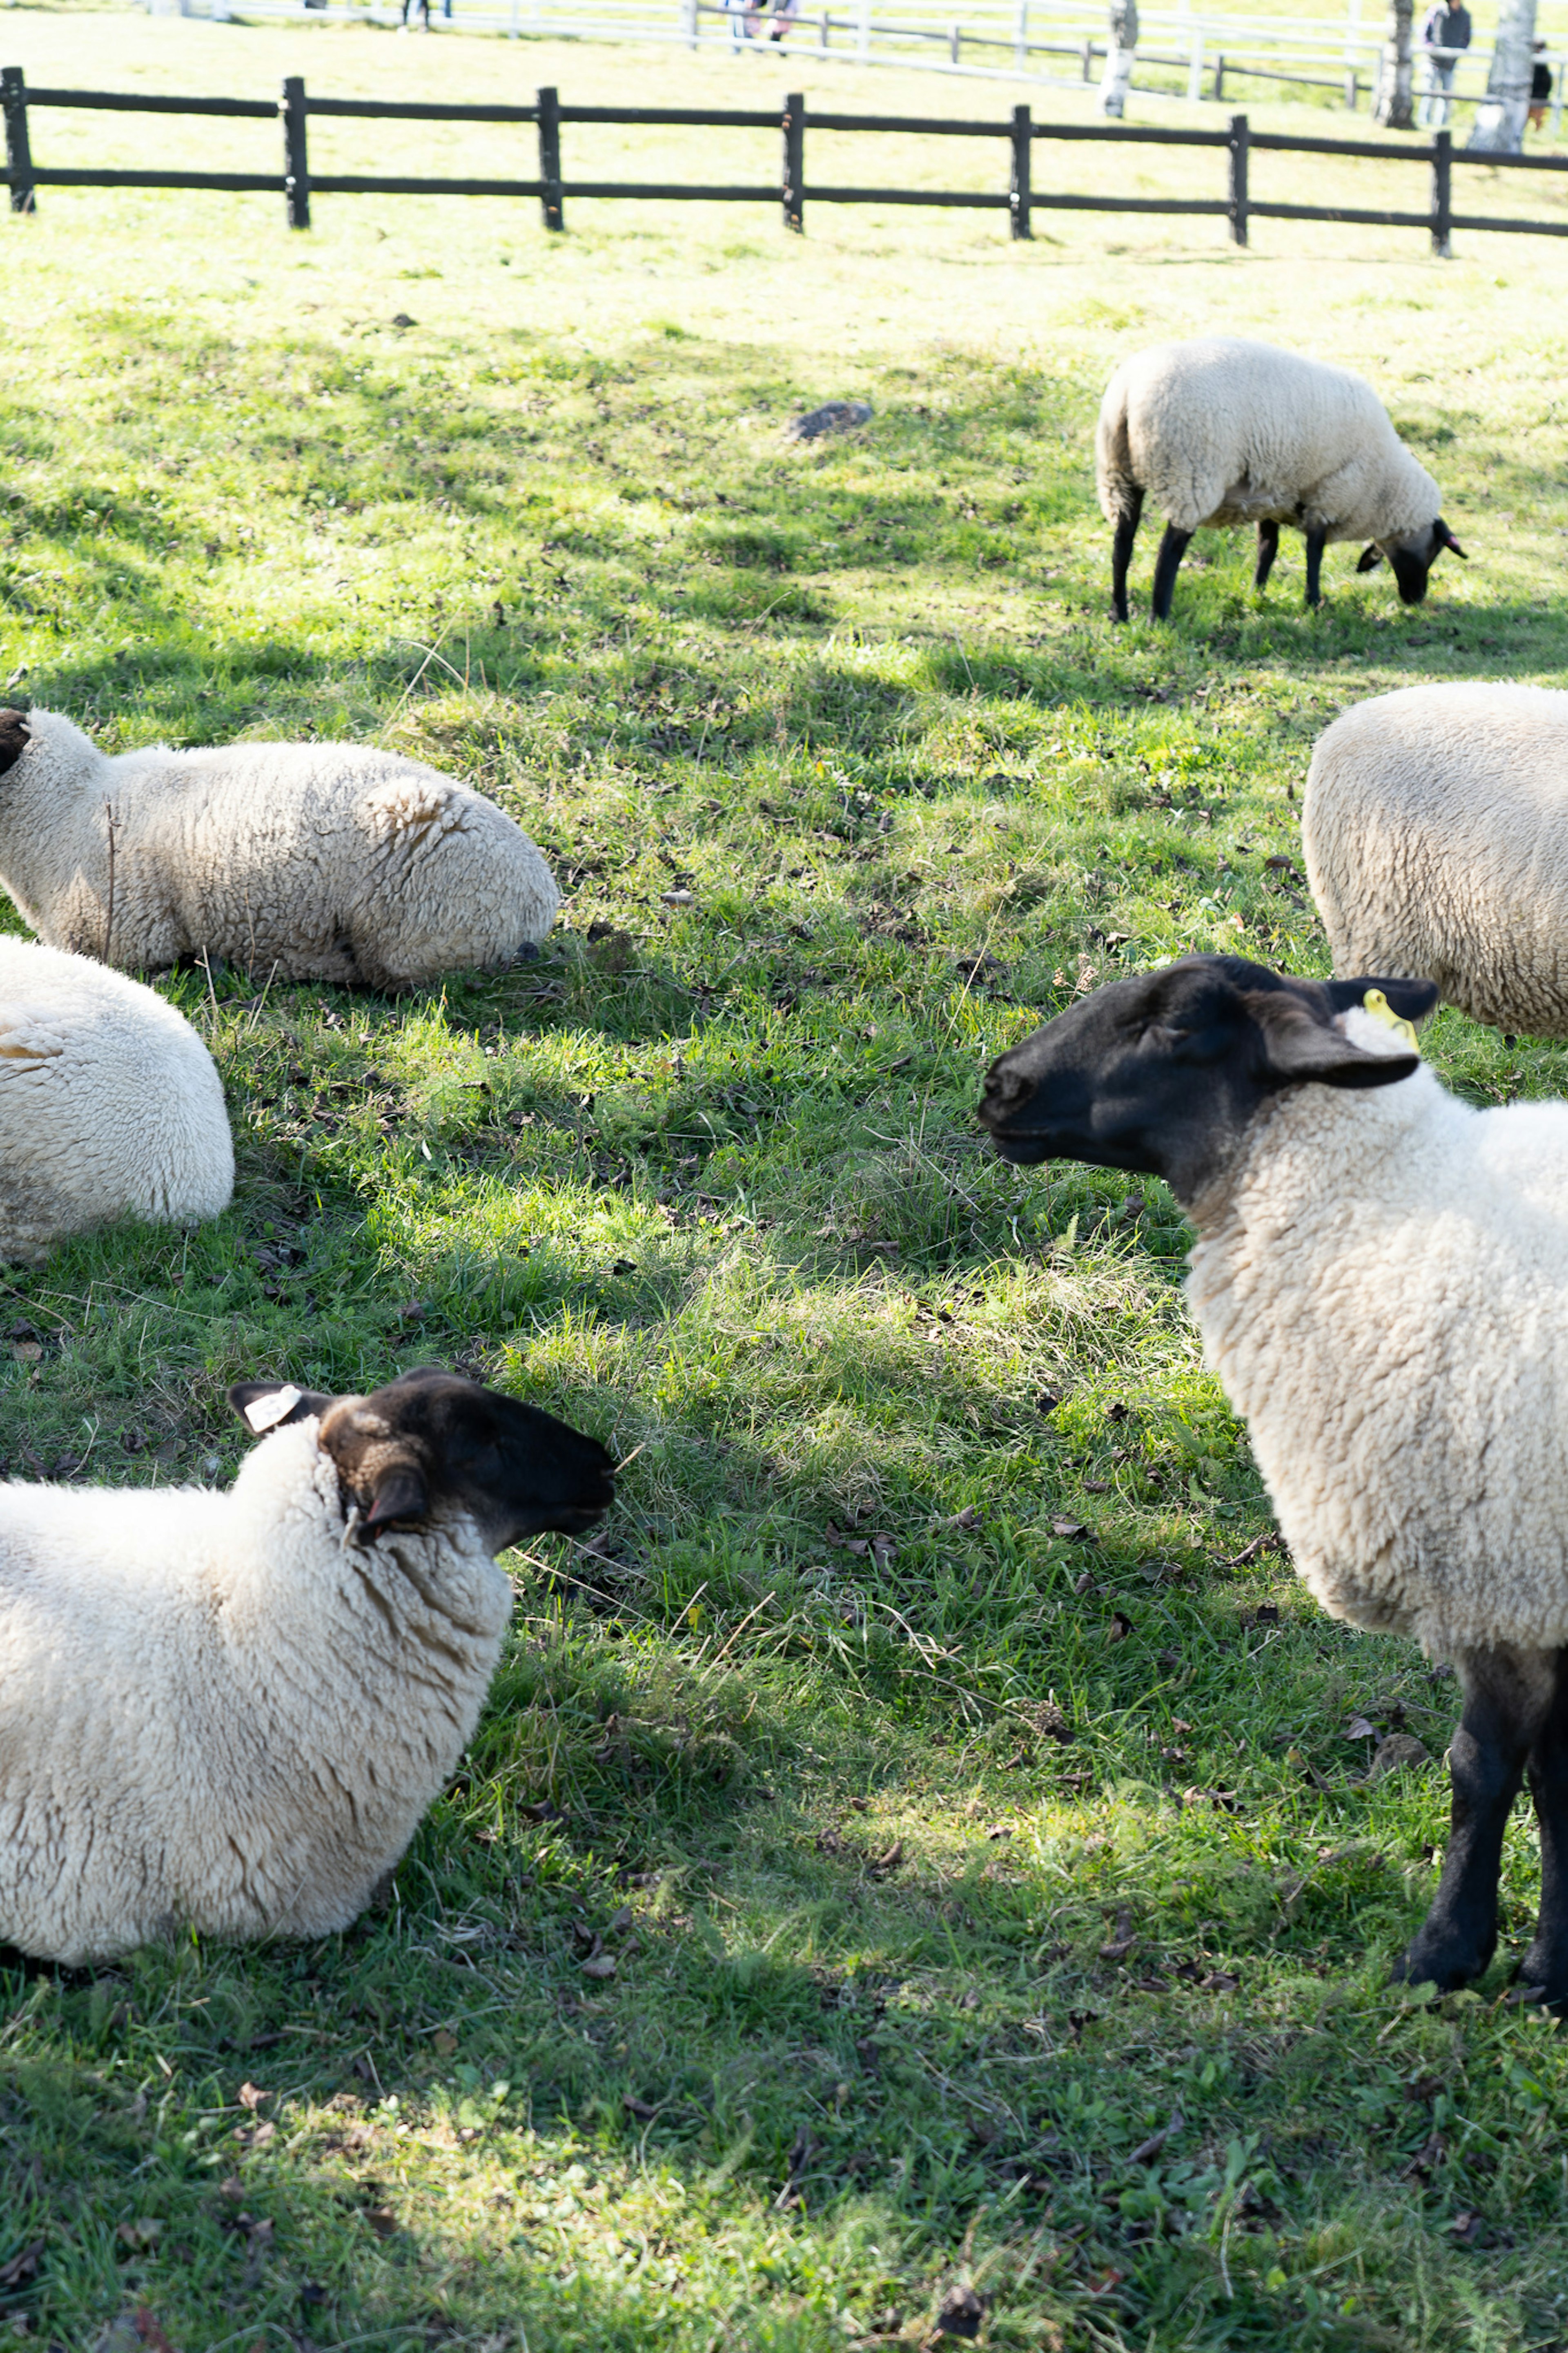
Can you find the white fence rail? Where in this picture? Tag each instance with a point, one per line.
(1183, 52)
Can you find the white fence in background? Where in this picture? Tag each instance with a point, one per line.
(1192, 52)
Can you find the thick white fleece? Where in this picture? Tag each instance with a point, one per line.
(1382, 1285)
(1436, 833)
(215, 1714)
(331, 861)
(109, 1105)
(1221, 430)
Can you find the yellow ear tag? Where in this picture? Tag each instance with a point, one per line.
(1377, 1004)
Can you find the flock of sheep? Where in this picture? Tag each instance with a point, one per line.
(230, 1711)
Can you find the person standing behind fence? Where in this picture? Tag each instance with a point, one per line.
(784, 13)
(1540, 86)
(1445, 35)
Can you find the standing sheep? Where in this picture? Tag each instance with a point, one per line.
(1220, 431)
(231, 1712)
(1381, 1279)
(109, 1105)
(1435, 835)
(326, 862)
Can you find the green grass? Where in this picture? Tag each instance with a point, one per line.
(902, 1977)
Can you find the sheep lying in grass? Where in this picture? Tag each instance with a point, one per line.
(322, 861)
(109, 1105)
(229, 1711)
(1435, 835)
(1220, 431)
(1381, 1279)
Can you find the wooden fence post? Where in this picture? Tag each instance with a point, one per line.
(19, 149)
(1018, 187)
(550, 157)
(1442, 193)
(1239, 145)
(794, 161)
(296, 154)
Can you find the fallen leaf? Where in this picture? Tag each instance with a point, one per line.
(1084, 1584)
(1148, 2150)
(1424, 2165)
(1046, 1402)
(1219, 1981)
(1000, 1831)
(26, 1352)
(150, 2332)
(960, 2313)
(382, 2221)
(1070, 1531)
(444, 2042)
(1401, 1748)
(969, 1517)
(1120, 1626)
(1470, 2228)
(250, 2095)
(883, 1863)
(25, 2266)
(1358, 1729)
(600, 1965)
(143, 2233)
(1123, 1942)
(641, 2109)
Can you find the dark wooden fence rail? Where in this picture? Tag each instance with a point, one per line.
(296, 182)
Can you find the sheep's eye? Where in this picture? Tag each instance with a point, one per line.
(1166, 1033)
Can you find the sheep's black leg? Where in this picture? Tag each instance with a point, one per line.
(1546, 1963)
(1267, 549)
(1509, 1695)
(1316, 540)
(1122, 552)
(1172, 547)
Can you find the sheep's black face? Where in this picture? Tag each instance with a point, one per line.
(1413, 559)
(1161, 1074)
(15, 737)
(431, 1442)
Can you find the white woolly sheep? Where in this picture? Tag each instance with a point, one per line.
(1221, 430)
(1381, 1279)
(323, 862)
(109, 1105)
(1436, 833)
(231, 1712)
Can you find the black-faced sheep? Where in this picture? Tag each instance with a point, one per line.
(1381, 1279)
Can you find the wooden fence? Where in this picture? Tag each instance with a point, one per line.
(295, 183)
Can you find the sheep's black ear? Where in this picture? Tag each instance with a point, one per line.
(1371, 557)
(269, 1405)
(15, 737)
(399, 1493)
(1301, 1047)
(1443, 537)
(1411, 999)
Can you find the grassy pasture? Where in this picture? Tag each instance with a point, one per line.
(851, 782)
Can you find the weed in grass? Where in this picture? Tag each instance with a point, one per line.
(915, 1852)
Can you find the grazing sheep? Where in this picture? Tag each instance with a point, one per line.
(109, 1105)
(325, 861)
(1436, 833)
(229, 1711)
(1220, 431)
(1381, 1279)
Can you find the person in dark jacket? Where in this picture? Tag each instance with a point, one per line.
(1445, 35)
(1540, 86)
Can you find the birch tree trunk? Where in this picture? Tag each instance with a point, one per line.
(1498, 126)
(1119, 56)
(1392, 106)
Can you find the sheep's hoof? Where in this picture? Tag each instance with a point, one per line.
(527, 953)
(1438, 1964)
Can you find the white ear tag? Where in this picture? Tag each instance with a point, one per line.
(1377, 1004)
(263, 1412)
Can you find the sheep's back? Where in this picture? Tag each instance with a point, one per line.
(334, 861)
(110, 1103)
(1221, 429)
(1435, 835)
